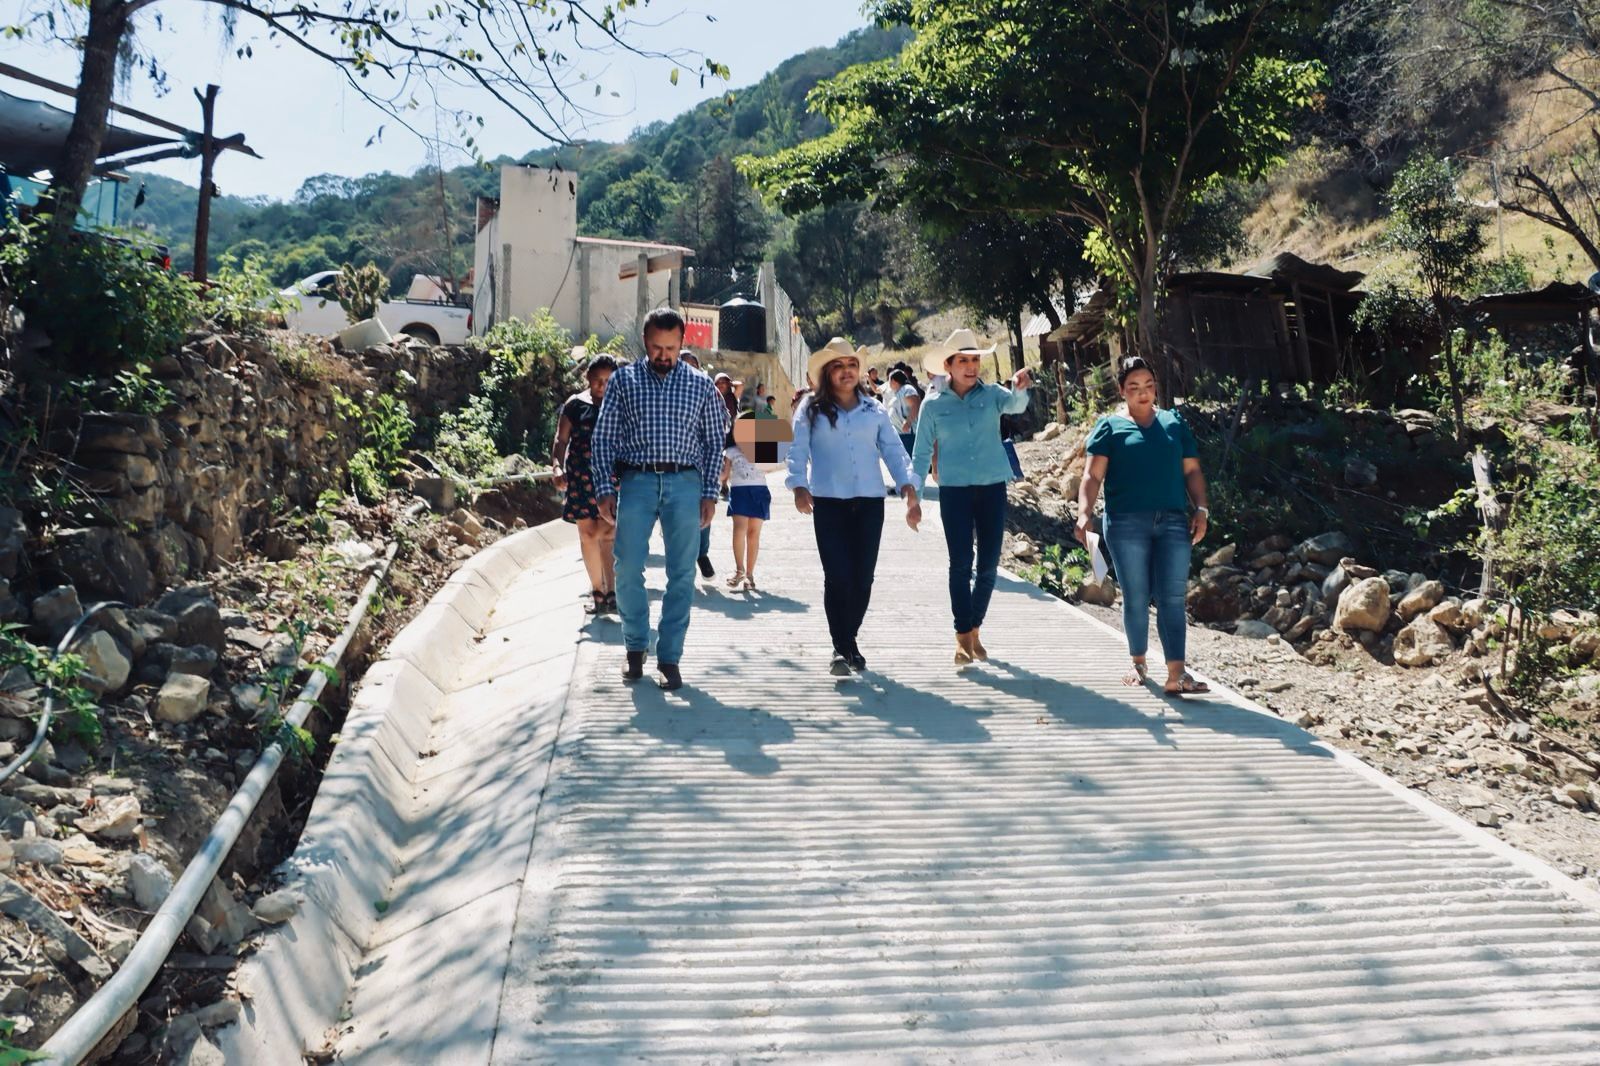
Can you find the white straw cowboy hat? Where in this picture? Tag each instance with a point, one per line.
(838, 348)
(962, 340)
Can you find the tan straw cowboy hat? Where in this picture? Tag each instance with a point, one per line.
(962, 340)
(838, 348)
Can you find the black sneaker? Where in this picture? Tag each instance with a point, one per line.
(635, 668)
(706, 569)
(840, 667)
(858, 662)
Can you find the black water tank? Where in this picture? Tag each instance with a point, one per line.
(742, 326)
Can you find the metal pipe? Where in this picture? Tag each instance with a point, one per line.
(49, 697)
(89, 1025)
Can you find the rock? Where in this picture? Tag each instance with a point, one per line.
(15, 817)
(35, 849)
(1399, 582)
(1102, 594)
(1422, 597)
(149, 882)
(281, 651)
(1223, 556)
(249, 637)
(1254, 630)
(1360, 474)
(1277, 686)
(1570, 795)
(1586, 645)
(1278, 542)
(54, 612)
(182, 698)
(109, 665)
(1306, 720)
(1325, 548)
(1213, 600)
(1048, 433)
(104, 562)
(13, 541)
(252, 699)
(223, 1012)
(115, 818)
(1448, 613)
(438, 491)
(163, 660)
(124, 432)
(200, 622)
(467, 521)
(18, 903)
(153, 626)
(1336, 582)
(1484, 816)
(220, 920)
(1267, 561)
(277, 907)
(1363, 607)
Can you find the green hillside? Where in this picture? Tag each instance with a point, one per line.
(669, 181)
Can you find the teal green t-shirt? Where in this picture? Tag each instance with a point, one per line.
(1145, 471)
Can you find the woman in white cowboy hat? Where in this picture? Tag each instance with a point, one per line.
(963, 423)
(840, 433)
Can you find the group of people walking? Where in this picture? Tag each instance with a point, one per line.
(650, 442)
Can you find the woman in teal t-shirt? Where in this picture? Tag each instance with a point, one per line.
(1150, 467)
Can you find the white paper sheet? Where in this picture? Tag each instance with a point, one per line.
(1097, 560)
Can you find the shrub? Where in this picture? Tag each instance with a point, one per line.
(100, 297)
(1060, 571)
(241, 299)
(386, 429)
(77, 711)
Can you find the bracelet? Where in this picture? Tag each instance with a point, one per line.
(1203, 510)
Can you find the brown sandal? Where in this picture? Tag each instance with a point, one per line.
(1187, 686)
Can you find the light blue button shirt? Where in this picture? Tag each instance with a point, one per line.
(967, 432)
(841, 461)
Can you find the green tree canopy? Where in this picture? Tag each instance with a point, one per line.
(1114, 114)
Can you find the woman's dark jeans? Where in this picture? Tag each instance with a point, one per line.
(848, 533)
(1150, 550)
(972, 512)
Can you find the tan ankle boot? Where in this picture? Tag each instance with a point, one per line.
(963, 648)
(975, 646)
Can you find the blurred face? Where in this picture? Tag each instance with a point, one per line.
(843, 374)
(724, 386)
(963, 368)
(661, 347)
(1139, 390)
(597, 384)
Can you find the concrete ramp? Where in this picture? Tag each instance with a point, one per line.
(1024, 861)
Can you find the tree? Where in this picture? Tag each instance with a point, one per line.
(635, 207)
(1443, 235)
(724, 222)
(519, 54)
(1113, 114)
(833, 260)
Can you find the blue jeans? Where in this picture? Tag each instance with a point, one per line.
(642, 498)
(1150, 550)
(972, 512)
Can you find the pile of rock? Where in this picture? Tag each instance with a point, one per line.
(1316, 590)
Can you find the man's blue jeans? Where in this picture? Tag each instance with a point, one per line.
(972, 512)
(1150, 550)
(642, 499)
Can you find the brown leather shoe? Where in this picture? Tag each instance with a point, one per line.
(964, 648)
(975, 646)
(635, 668)
(670, 680)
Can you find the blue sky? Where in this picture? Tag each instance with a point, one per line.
(304, 119)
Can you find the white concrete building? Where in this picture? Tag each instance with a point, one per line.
(528, 256)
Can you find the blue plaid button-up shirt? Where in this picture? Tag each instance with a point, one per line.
(650, 418)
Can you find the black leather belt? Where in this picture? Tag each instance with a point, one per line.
(656, 468)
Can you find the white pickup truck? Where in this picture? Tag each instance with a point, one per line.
(426, 313)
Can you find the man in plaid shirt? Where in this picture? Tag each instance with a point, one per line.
(661, 430)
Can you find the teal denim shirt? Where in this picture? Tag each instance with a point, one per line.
(967, 432)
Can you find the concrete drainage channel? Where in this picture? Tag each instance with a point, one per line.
(295, 986)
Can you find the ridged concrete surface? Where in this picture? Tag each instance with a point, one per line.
(1024, 861)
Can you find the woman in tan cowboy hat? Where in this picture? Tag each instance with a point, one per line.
(963, 423)
(840, 433)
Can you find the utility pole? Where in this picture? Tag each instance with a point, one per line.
(208, 157)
